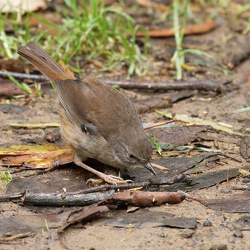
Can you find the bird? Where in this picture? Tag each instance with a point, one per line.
(97, 120)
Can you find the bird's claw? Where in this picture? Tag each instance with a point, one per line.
(111, 179)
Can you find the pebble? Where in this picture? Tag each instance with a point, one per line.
(207, 223)
(210, 218)
(218, 247)
(238, 234)
(187, 233)
(218, 213)
(162, 235)
(225, 190)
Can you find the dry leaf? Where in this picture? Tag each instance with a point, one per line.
(40, 156)
(22, 5)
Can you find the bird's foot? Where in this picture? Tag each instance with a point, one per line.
(111, 179)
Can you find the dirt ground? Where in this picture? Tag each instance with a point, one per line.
(214, 228)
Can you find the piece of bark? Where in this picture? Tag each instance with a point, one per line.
(236, 203)
(178, 136)
(203, 180)
(146, 218)
(87, 214)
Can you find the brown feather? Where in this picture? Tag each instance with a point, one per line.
(40, 59)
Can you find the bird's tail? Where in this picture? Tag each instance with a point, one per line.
(43, 62)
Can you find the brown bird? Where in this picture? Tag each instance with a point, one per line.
(96, 120)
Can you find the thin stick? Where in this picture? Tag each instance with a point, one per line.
(159, 124)
(4, 74)
(181, 85)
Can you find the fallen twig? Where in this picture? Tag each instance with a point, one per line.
(240, 188)
(4, 73)
(159, 124)
(221, 154)
(144, 198)
(190, 29)
(86, 196)
(33, 125)
(16, 237)
(188, 196)
(7, 197)
(64, 199)
(196, 85)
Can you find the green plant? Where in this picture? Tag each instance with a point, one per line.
(97, 31)
(6, 176)
(20, 34)
(88, 28)
(38, 89)
(156, 144)
(22, 85)
(178, 58)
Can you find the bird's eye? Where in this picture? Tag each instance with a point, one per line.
(131, 157)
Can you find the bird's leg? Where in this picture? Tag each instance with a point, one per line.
(111, 179)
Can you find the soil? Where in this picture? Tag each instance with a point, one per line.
(214, 228)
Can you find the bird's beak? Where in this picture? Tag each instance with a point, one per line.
(150, 168)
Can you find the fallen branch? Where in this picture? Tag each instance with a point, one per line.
(206, 85)
(7, 197)
(4, 73)
(16, 237)
(136, 198)
(64, 199)
(86, 196)
(196, 85)
(144, 198)
(191, 29)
